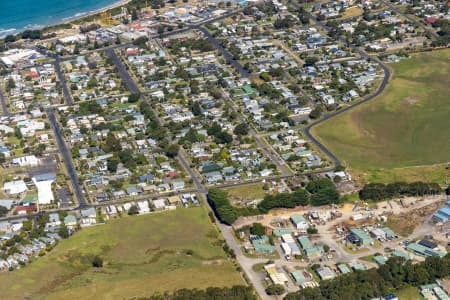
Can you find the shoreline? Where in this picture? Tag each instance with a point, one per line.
(82, 15)
(66, 20)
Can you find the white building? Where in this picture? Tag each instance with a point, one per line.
(26, 161)
(43, 184)
(15, 187)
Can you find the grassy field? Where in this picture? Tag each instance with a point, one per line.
(401, 135)
(142, 255)
(402, 226)
(247, 192)
(409, 293)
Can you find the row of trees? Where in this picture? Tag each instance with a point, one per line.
(225, 212)
(380, 191)
(321, 192)
(373, 283)
(284, 200)
(238, 292)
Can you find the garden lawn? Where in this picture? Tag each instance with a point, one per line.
(403, 134)
(142, 255)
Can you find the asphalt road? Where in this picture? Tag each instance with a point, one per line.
(67, 159)
(62, 80)
(307, 130)
(3, 103)
(431, 33)
(387, 73)
(246, 263)
(129, 82)
(226, 54)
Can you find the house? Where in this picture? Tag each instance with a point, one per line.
(53, 220)
(111, 210)
(143, 207)
(88, 217)
(178, 185)
(265, 173)
(159, 204)
(325, 273)
(213, 177)
(15, 187)
(5, 151)
(133, 190)
(70, 221)
(26, 161)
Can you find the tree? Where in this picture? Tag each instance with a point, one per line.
(316, 112)
(3, 211)
(232, 293)
(258, 229)
(97, 262)
(319, 184)
(312, 230)
(112, 165)
(134, 210)
(275, 289)
(196, 109)
(172, 150)
(134, 15)
(63, 231)
(27, 225)
(92, 83)
(133, 98)
(311, 60)
(112, 144)
(325, 196)
(241, 129)
(11, 84)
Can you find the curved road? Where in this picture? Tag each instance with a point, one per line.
(387, 73)
(307, 130)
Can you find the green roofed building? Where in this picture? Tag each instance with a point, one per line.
(344, 269)
(299, 277)
(358, 236)
(400, 253)
(380, 259)
(280, 231)
(359, 266)
(313, 252)
(305, 243)
(389, 233)
(264, 248)
(309, 249)
(300, 223)
(248, 89)
(424, 251)
(261, 244)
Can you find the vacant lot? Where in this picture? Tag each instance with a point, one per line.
(407, 126)
(242, 194)
(142, 255)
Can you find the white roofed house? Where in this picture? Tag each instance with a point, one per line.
(15, 187)
(88, 217)
(178, 185)
(143, 207)
(25, 161)
(53, 220)
(43, 184)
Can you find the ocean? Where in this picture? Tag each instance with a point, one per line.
(18, 15)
